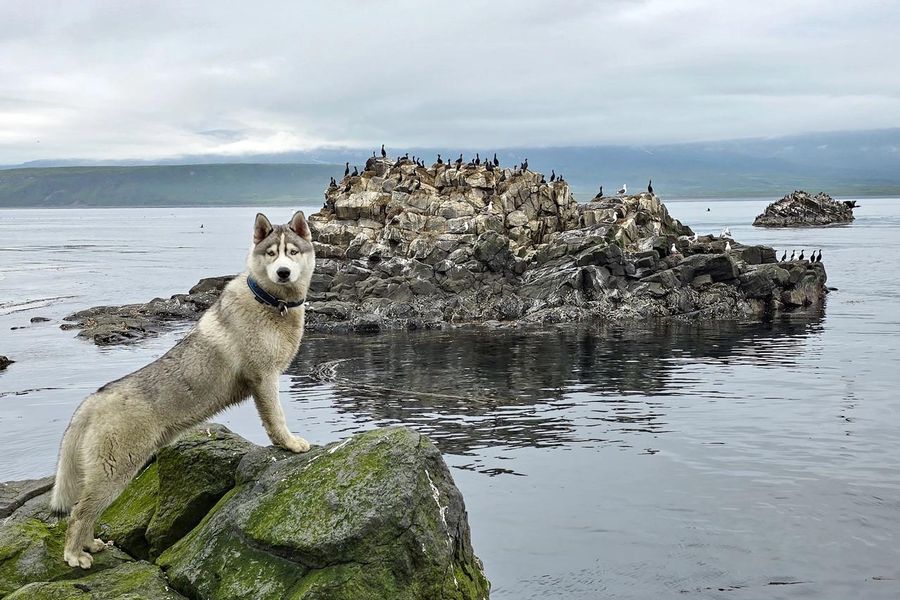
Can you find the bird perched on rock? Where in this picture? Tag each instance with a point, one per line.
(727, 246)
(801, 255)
(496, 162)
(459, 161)
(439, 161)
(489, 207)
(477, 159)
(355, 171)
(726, 232)
(695, 238)
(543, 180)
(525, 165)
(502, 177)
(623, 190)
(488, 166)
(673, 249)
(552, 175)
(560, 178)
(600, 193)
(784, 256)
(793, 255)
(332, 183)
(819, 257)
(346, 169)
(383, 152)
(650, 186)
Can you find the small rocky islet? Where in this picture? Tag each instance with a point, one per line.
(401, 245)
(214, 516)
(801, 209)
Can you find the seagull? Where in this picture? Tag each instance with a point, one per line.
(727, 246)
(624, 190)
(490, 206)
(793, 255)
(673, 250)
(784, 256)
(695, 238)
(726, 232)
(801, 255)
(383, 153)
(650, 186)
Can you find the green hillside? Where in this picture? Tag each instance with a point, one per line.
(168, 185)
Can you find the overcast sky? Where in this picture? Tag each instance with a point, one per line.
(160, 79)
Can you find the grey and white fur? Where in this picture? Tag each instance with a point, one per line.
(239, 348)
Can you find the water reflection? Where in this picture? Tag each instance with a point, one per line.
(470, 390)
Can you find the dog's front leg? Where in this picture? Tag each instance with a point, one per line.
(265, 395)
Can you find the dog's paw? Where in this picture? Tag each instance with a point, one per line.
(79, 559)
(297, 444)
(95, 545)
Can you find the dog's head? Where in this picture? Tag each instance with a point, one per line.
(282, 255)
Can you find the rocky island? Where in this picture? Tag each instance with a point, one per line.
(213, 516)
(403, 245)
(800, 209)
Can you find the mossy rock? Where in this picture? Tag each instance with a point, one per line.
(31, 549)
(125, 521)
(375, 516)
(175, 492)
(130, 581)
(194, 473)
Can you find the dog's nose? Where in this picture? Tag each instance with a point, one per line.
(283, 273)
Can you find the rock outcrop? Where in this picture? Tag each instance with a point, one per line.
(374, 516)
(799, 209)
(404, 246)
(5, 362)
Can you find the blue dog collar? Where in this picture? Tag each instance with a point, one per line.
(264, 297)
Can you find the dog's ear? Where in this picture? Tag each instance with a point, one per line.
(261, 228)
(299, 226)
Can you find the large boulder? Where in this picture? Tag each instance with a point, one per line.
(800, 209)
(374, 516)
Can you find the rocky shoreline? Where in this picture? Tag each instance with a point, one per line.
(214, 516)
(405, 246)
(800, 209)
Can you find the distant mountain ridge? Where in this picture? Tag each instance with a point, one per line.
(855, 163)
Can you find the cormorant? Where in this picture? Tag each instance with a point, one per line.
(496, 162)
(459, 161)
(819, 257)
(355, 171)
(793, 255)
(650, 186)
(784, 256)
(623, 190)
(801, 255)
(552, 175)
(383, 153)
(600, 193)
(488, 165)
(525, 165)
(439, 161)
(477, 159)
(346, 169)
(543, 180)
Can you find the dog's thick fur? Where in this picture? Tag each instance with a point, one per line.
(239, 348)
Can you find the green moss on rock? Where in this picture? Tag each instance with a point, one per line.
(375, 516)
(136, 580)
(125, 521)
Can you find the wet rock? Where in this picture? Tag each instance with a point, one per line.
(132, 580)
(5, 362)
(39, 319)
(800, 209)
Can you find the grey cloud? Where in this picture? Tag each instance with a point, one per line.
(115, 80)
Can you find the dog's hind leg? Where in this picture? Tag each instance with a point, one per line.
(105, 478)
(265, 396)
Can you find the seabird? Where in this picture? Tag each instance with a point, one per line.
(355, 171)
(373, 154)
(727, 246)
(383, 153)
(673, 250)
(624, 190)
(490, 206)
(793, 255)
(600, 193)
(488, 165)
(440, 162)
(650, 186)
(784, 256)
(333, 183)
(459, 161)
(695, 238)
(477, 159)
(552, 175)
(726, 232)
(819, 257)
(560, 178)
(801, 255)
(346, 169)
(543, 180)
(496, 162)
(525, 165)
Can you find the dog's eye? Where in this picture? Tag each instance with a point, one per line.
(294, 252)
(270, 253)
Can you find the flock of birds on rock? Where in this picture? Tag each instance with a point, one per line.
(813, 258)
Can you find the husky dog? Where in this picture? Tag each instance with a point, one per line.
(239, 348)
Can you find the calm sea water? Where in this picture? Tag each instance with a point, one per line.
(655, 461)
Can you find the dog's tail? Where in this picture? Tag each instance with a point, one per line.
(67, 485)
